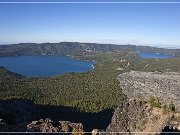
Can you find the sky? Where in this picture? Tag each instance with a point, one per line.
(117, 23)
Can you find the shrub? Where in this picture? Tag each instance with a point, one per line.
(155, 102)
(171, 107)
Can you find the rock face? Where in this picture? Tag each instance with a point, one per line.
(138, 116)
(143, 85)
(129, 117)
(48, 125)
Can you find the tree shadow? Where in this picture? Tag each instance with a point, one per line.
(22, 110)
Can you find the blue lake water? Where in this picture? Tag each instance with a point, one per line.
(154, 55)
(38, 66)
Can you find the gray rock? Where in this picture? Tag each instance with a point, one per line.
(143, 85)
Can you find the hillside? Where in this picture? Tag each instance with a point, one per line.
(5, 74)
(86, 91)
(76, 48)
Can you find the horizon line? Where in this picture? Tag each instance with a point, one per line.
(78, 2)
(145, 45)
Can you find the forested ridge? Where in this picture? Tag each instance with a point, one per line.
(76, 48)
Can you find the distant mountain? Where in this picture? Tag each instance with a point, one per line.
(76, 48)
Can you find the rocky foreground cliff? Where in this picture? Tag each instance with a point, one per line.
(139, 116)
(131, 116)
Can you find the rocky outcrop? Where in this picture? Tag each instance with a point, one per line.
(48, 125)
(41, 125)
(129, 117)
(137, 116)
(143, 85)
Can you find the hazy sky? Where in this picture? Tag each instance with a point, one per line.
(142, 24)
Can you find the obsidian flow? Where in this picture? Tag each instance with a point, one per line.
(23, 110)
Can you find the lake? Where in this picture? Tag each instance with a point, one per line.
(154, 55)
(44, 66)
